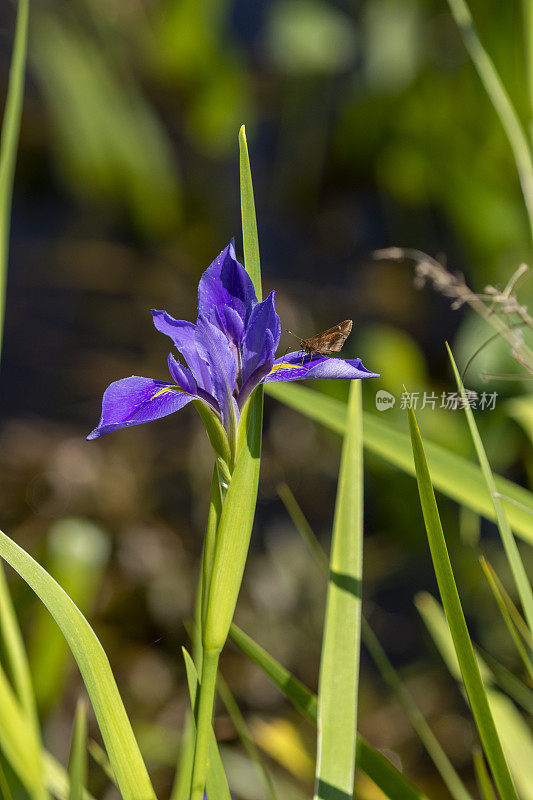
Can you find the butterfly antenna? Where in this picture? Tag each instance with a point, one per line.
(293, 334)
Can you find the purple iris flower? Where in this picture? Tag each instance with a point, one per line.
(226, 355)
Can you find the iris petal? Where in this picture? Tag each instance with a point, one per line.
(298, 366)
(181, 375)
(132, 401)
(183, 334)
(214, 347)
(261, 338)
(229, 352)
(225, 283)
(264, 365)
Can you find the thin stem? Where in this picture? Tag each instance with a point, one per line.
(447, 772)
(528, 47)
(482, 776)
(203, 721)
(500, 100)
(496, 587)
(434, 749)
(454, 286)
(245, 736)
(302, 526)
(10, 137)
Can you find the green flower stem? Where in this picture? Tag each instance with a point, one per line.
(227, 537)
(203, 721)
(232, 508)
(233, 533)
(216, 433)
(206, 660)
(213, 516)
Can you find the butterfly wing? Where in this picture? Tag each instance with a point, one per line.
(332, 340)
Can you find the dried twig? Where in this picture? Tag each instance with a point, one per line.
(500, 309)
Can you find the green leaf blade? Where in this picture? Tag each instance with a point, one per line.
(249, 223)
(216, 783)
(499, 98)
(495, 588)
(374, 764)
(114, 724)
(19, 742)
(77, 766)
(245, 736)
(456, 621)
(433, 747)
(233, 534)
(339, 666)
(509, 545)
(514, 732)
(452, 475)
(16, 654)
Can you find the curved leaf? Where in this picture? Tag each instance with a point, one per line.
(122, 748)
(452, 474)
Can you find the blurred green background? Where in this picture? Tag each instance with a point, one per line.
(367, 127)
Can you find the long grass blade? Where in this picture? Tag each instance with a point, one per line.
(515, 735)
(517, 618)
(508, 681)
(9, 143)
(29, 761)
(302, 526)
(482, 775)
(37, 768)
(518, 570)
(443, 764)
(339, 664)
(386, 777)
(77, 765)
(16, 654)
(500, 100)
(511, 627)
(5, 791)
(245, 736)
(57, 779)
(114, 724)
(19, 743)
(302, 698)
(216, 783)
(453, 475)
(182, 781)
(456, 621)
(391, 782)
(449, 775)
(100, 757)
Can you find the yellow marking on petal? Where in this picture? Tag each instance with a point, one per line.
(287, 366)
(167, 389)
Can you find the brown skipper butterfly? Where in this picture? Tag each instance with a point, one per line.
(327, 342)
